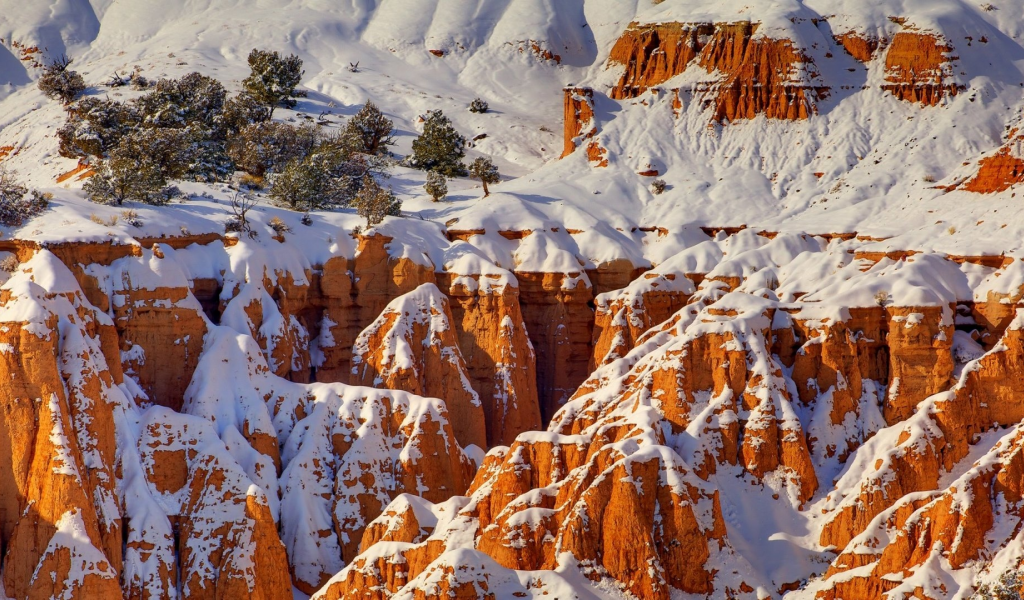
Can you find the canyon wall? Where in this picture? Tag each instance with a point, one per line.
(706, 366)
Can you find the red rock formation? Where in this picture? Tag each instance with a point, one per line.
(622, 317)
(1001, 171)
(580, 126)
(58, 514)
(653, 54)
(920, 342)
(352, 293)
(160, 324)
(559, 321)
(499, 357)
(955, 523)
(860, 46)
(229, 546)
(918, 68)
(412, 346)
(760, 74)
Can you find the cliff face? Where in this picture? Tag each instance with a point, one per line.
(747, 75)
(918, 68)
(492, 336)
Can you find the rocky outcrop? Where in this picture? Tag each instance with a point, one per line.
(1000, 171)
(580, 125)
(412, 346)
(222, 523)
(859, 45)
(559, 321)
(160, 324)
(492, 337)
(59, 514)
(654, 53)
(352, 293)
(622, 317)
(749, 74)
(919, 68)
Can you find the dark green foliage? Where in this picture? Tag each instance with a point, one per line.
(17, 203)
(325, 172)
(273, 78)
(95, 126)
(436, 185)
(240, 112)
(188, 129)
(59, 82)
(194, 100)
(375, 202)
(484, 170)
(478, 106)
(372, 129)
(263, 147)
(185, 153)
(308, 185)
(127, 177)
(440, 148)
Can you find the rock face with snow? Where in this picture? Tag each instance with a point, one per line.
(412, 346)
(791, 368)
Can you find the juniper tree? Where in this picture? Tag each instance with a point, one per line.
(309, 184)
(95, 126)
(268, 146)
(241, 111)
(372, 128)
(478, 106)
(375, 202)
(126, 177)
(59, 82)
(195, 99)
(273, 78)
(484, 170)
(17, 203)
(436, 185)
(440, 147)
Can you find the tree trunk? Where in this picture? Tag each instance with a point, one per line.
(486, 191)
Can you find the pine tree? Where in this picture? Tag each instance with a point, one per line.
(375, 202)
(59, 82)
(372, 128)
(440, 147)
(436, 185)
(478, 106)
(484, 170)
(273, 78)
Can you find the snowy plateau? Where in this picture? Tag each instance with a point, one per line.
(742, 316)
